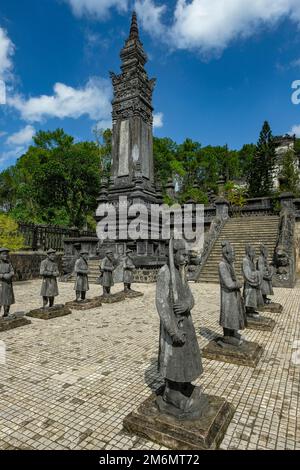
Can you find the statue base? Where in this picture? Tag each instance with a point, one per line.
(48, 313)
(86, 304)
(246, 354)
(112, 298)
(131, 294)
(14, 320)
(260, 323)
(272, 307)
(203, 433)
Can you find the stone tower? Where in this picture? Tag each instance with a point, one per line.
(132, 141)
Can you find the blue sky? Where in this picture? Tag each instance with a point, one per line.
(222, 67)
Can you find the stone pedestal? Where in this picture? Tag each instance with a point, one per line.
(272, 307)
(205, 433)
(112, 298)
(13, 321)
(247, 354)
(260, 323)
(86, 304)
(48, 313)
(131, 294)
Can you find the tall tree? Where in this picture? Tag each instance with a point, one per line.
(289, 174)
(261, 176)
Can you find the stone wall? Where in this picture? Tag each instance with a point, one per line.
(145, 275)
(27, 265)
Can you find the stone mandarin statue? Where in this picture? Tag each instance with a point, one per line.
(232, 313)
(179, 360)
(6, 286)
(267, 272)
(128, 267)
(49, 272)
(81, 270)
(106, 272)
(252, 283)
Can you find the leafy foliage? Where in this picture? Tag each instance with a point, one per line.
(9, 236)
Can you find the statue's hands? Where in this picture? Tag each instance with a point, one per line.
(180, 308)
(7, 277)
(178, 339)
(239, 285)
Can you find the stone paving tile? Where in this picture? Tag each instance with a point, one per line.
(69, 382)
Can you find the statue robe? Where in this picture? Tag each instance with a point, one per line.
(179, 363)
(232, 311)
(49, 271)
(81, 270)
(128, 267)
(106, 268)
(267, 274)
(252, 282)
(6, 287)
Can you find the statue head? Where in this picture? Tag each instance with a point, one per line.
(264, 251)
(4, 254)
(84, 255)
(109, 254)
(180, 253)
(129, 253)
(250, 251)
(228, 252)
(51, 254)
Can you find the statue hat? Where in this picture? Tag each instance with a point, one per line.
(108, 252)
(129, 250)
(51, 251)
(84, 252)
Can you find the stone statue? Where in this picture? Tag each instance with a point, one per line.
(81, 271)
(128, 267)
(49, 271)
(6, 287)
(179, 360)
(252, 283)
(106, 272)
(267, 273)
(232, 313)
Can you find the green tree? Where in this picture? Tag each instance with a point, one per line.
(9, 236)
(289, 174)
(260, 178)
(246, 156)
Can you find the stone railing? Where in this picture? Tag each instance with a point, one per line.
(259, 206)
(43, 237)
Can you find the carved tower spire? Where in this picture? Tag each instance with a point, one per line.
(132, 145)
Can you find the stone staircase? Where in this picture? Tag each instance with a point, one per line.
(240, 231)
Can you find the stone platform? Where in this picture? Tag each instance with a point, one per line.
(13, 321)
(248, 354)
(86, 304)
(272, 307)
(113, 298)
(205, 433)
(132, 294)
(260, 323)
(48, 313)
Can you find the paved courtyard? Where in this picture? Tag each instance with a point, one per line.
(68, 383)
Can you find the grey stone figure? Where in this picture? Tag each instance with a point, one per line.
(267, 272)
(179, 360)
(232, 312)
(106, 272)
(6, 286)
(49, 272)
(128, 267)
(252, 283)
(81, 270)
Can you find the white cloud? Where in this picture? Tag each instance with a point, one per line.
(98, 8)
(6, 52)
(11, 155)
(66, 102)
(295, 130)
(158, 120)
(22, 137)
(211, 25)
